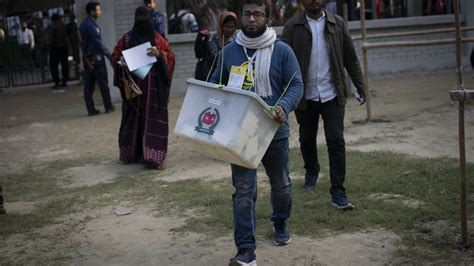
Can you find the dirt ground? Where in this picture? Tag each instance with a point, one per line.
(413, 113)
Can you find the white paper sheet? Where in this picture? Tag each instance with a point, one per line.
(138, 57)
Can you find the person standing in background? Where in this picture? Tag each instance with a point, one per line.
(159, 19)
(207, 46)
(183, 21)
(277, 19)
(26, 40)
(58, 41)
(143, 135)
(94, 54)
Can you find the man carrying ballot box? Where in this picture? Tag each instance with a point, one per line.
(258, 62)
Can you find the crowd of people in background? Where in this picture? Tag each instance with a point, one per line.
(37, 49)
(35, 45)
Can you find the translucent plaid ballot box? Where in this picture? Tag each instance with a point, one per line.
(227, 124)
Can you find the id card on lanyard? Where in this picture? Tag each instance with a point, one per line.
(238, 74)
(237, 77)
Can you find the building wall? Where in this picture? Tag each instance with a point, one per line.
(124, 15)
(408, 59)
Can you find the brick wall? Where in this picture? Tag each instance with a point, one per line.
(185, 60)
(124, 15)
(407, 59)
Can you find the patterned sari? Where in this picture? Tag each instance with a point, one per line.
(143, 135)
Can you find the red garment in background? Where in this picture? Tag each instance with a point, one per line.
(378, 8)
(438, 8)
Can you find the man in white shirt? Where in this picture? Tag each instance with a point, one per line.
(26, 40)
(325, 51)
(26, 37)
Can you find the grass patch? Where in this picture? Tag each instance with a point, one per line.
(37, 183)
(434, 182)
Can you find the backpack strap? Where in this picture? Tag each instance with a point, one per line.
(180, 17)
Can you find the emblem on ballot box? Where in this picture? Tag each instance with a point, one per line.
(208, 121)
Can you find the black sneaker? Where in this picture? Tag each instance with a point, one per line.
(244, 257)
(311, 181)
(110, 110)
(281, 233)
(95, 112)
(340, 201)
(64, 85)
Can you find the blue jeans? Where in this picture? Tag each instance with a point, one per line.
(244, 198)
(99, 75)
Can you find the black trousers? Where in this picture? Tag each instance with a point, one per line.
(333, 118)
(99, 75)
(26, 56)
(56, 56)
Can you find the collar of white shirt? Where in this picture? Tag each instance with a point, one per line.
(318, 20)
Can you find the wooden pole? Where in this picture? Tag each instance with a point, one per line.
(366, 60)
(462, 140)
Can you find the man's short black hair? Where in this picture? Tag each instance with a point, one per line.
(91, 6)
(146, 2)
(256, 2)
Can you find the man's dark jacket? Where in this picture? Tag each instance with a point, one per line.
(297, 33)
